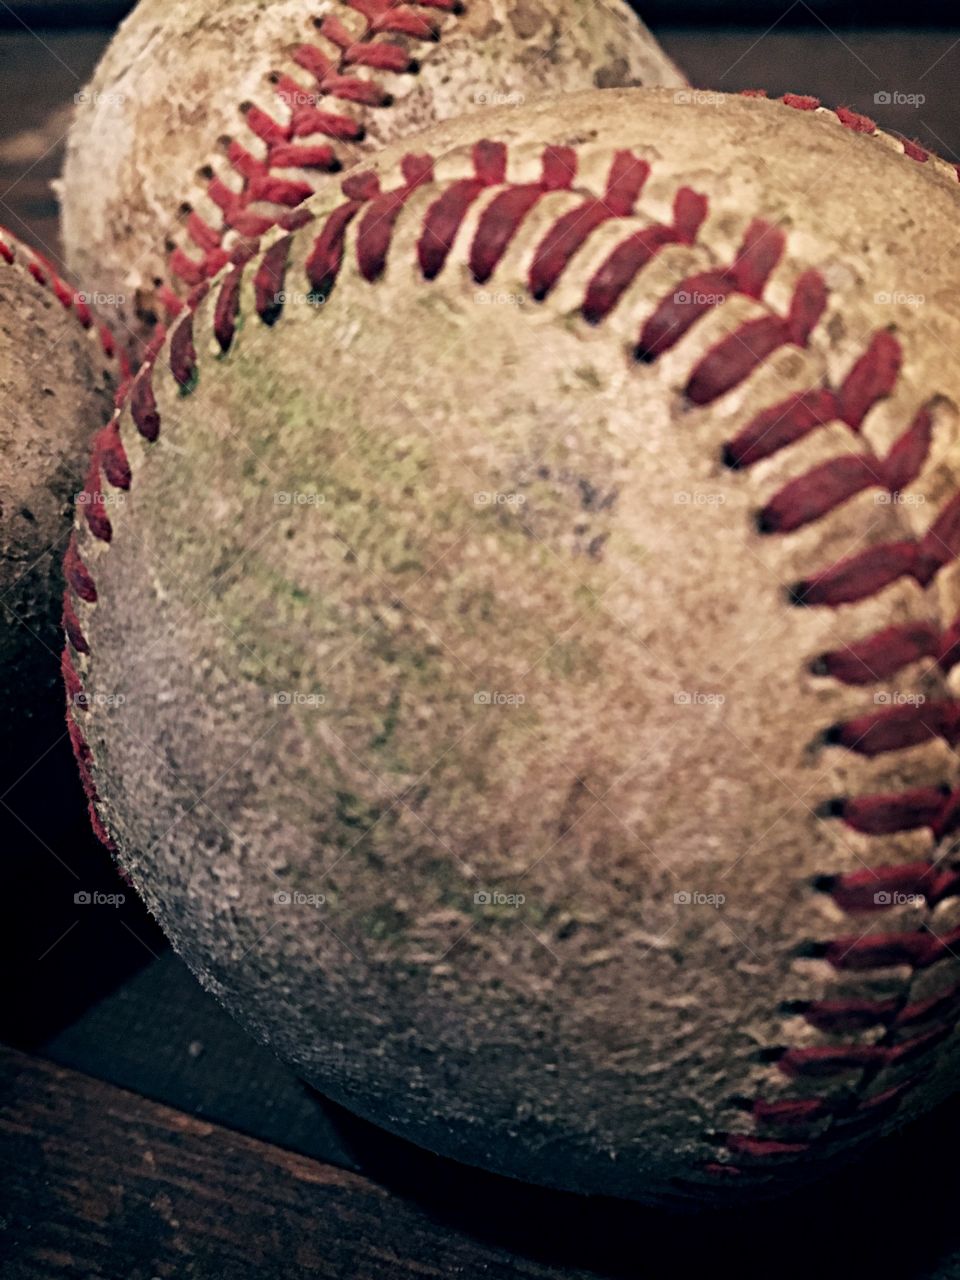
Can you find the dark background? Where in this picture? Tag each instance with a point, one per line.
(656, 12)
(97, 990)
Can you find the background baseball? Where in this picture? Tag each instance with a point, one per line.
(58, 375)
(205, 122)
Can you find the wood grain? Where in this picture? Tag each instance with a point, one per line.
(97, 1182)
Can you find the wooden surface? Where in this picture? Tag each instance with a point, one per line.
(98, 1182)
(165, 1143)
(123, 1187)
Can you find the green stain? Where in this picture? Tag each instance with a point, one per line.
(355, 813)
(390, 721)
(385, 923)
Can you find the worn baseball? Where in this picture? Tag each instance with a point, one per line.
(532, 612)
(205, 121)
(57, 374)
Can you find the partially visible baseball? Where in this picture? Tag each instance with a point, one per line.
(208, 118)
(57, 378)
(532, 630)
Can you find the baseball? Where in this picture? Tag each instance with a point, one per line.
(519, 677)
(205, 121)
(57, 376)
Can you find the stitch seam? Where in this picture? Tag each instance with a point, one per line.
(870, 381)
(16, 254)
(290, 146)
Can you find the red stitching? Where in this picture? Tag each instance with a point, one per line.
(614, 277)
(917, 950)
(503, 217)
(443, 219)
(872, 378)
(77, 575)
(854, 121)
(887, 652)
(806, 498)
(285, 149)
(872, 888)
(832, 483)
(843, 1016)
(898, 727)
(14, 253)
(878, 815)
(867, 572)
(183, 353)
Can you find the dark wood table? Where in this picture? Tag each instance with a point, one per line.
(143, 1135)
